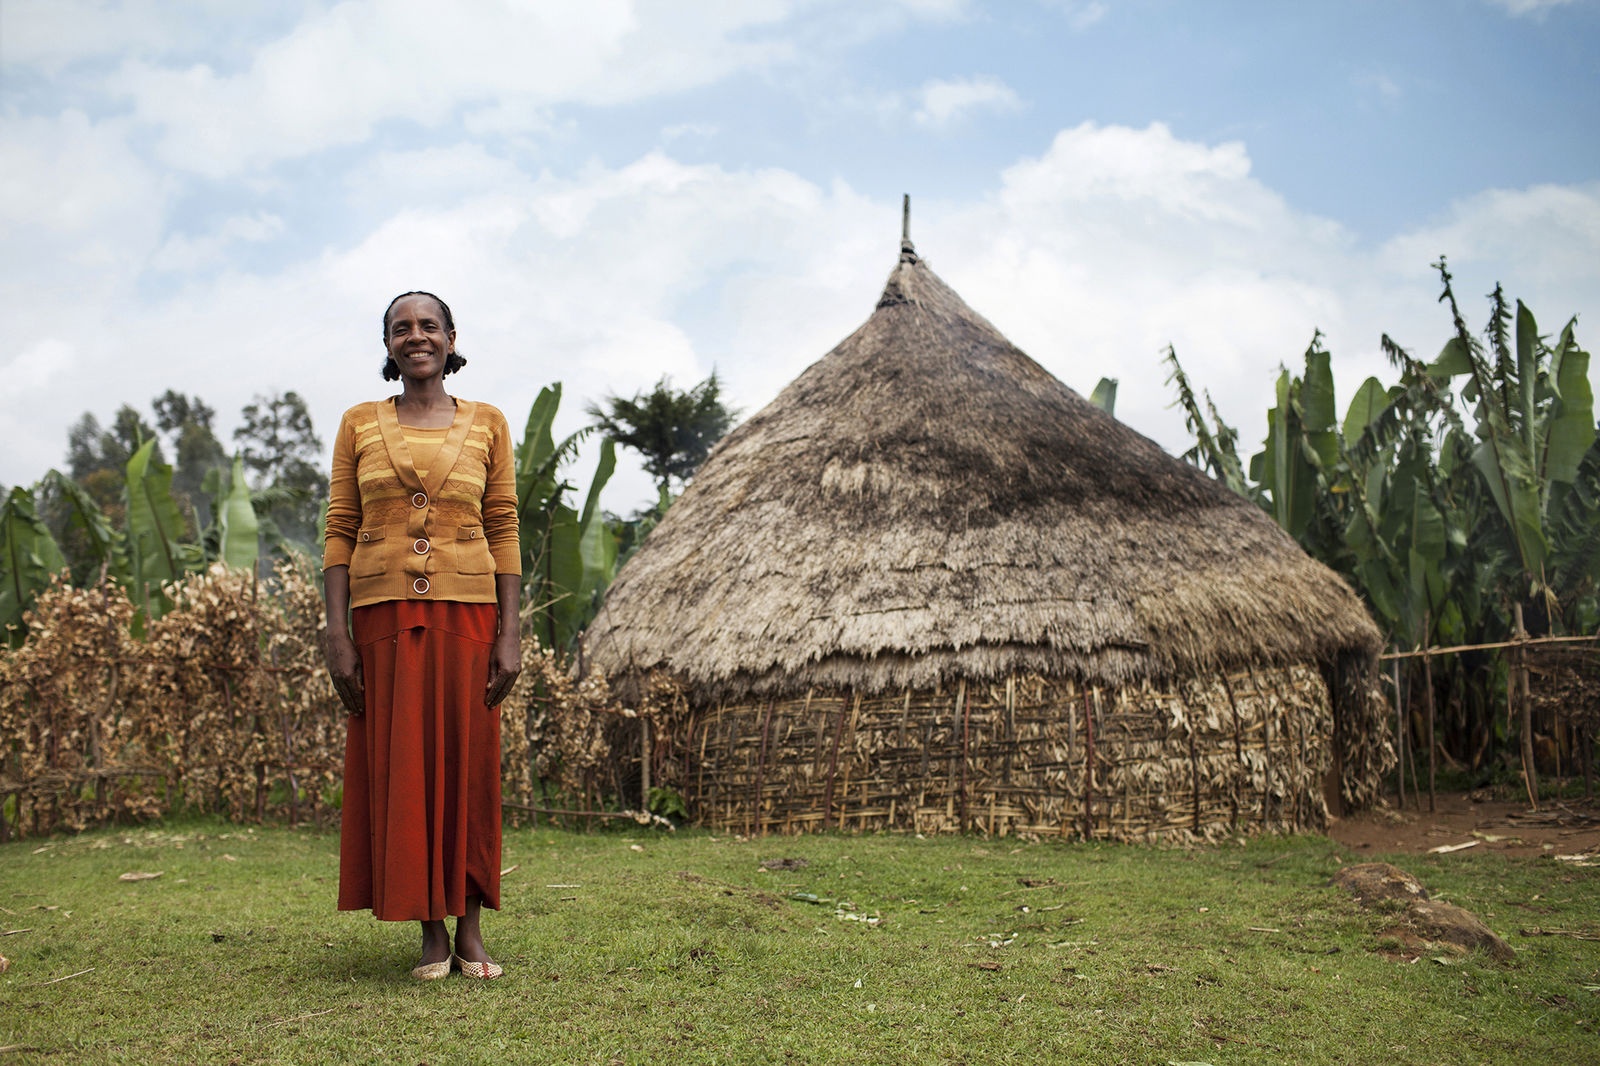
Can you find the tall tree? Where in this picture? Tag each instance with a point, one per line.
(187, 422)
(280, 449)
(97, 457)
(673, 430)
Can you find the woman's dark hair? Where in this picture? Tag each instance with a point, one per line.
(453, 362)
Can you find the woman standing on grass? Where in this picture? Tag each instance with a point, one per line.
(422, 554)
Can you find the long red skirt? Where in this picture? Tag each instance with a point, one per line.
(420, 828)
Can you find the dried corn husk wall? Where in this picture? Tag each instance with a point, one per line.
(1235, 752)
(225, 705)
(222, 706)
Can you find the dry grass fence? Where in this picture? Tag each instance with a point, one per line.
(224, 705)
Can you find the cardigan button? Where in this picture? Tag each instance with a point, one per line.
(420, 586)
(420, 500)
(420, 546)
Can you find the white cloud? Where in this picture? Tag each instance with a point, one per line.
(1543, 243)
(689, 130)
(1093, 256)
(942, 103)
(51, 34)
(1081, 14)
(342, 72)
(1116, 242)
(1535, 8)
(68, 177)
(39, 366)
(1376, 82)
(182, 252)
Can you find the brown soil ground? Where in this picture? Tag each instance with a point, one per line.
(1492, 825)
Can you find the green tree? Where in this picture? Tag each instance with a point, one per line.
(187, 423)
(97, 456)
(673, 430)
(280, 450)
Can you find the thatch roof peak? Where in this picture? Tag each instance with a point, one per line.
(927, 502)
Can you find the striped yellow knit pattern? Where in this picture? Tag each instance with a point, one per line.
(379, 516)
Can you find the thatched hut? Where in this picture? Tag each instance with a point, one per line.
(930, 587)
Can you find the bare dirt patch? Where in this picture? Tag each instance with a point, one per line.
(1489, 824)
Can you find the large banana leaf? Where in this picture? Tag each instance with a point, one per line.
(1104, 395)
(1574, 524)
(240, 542)
(1506, 453)
(568, 557)
(1216, 451)
(597, 545)
(155, 546)
(539, 488)
(582, 556)
(1570, 430)
(563, 575)
(1365, 407)
(85, 515)
(29, 557)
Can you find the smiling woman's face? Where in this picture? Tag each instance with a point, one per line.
(417, 339)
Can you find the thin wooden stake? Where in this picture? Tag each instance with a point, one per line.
(1427, 695)
(1088, 767)
(760, 827)
(644, 764)
(1266, 743)
(1519, 682)
(964, 708)
(1400, 737)
(1194, 772)
(833, 763)
(1238, 749)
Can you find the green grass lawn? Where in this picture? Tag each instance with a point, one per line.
(635, 947)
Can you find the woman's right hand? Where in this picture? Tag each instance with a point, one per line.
(344, 666)
(344, 662)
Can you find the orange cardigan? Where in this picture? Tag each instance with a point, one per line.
(406, 539)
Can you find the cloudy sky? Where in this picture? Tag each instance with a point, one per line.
(221, 197)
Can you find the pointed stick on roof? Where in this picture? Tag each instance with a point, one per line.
(908, 254)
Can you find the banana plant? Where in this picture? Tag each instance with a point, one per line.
(239, 529)
(99, 545)
(1296, 467)
(568, 556)
(1533, 410)
(1215, 450)
(1104, 395)
(29, 558)
(157, 553)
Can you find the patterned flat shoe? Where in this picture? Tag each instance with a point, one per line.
(486, 971)
(431, 971)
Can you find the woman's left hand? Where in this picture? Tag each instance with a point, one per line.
(505, 663)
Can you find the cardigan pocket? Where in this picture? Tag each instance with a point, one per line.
(472, 551)
(368, 560)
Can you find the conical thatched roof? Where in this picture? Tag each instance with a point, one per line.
(925, 503)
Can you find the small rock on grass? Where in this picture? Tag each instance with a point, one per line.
(1372, 881)
(1425, 919)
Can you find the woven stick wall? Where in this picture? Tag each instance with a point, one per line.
(1237, 752)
